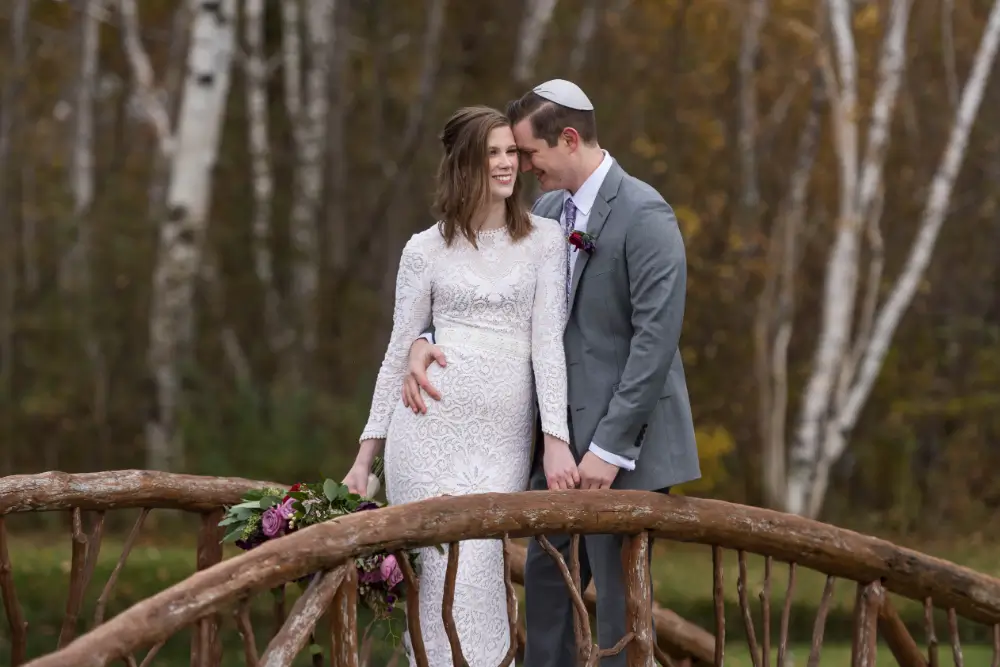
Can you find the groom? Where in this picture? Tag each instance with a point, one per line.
(630, 416)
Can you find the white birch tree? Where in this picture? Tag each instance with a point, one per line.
(534, 25)
(181, 234)
(844, 370)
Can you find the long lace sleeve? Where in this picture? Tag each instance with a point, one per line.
(411, 316)
(548, 321)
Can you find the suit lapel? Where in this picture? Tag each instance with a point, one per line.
(598, 216)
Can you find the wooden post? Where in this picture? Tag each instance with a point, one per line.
(638, 600)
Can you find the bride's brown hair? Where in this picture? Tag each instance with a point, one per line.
(463, 188)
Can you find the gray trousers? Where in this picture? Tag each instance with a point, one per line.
(549, 608)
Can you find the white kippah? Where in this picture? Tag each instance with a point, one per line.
(564, 92)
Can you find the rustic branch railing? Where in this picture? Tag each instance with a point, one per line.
(876, 566)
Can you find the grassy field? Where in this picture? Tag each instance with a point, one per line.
(682, 577)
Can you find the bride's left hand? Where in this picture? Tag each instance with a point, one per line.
(357, 479)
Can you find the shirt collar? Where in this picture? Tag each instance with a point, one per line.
(587, 194)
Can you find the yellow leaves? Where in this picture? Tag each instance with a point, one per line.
(867, 20)
(715, 443)
(689, 221)
(643, 147)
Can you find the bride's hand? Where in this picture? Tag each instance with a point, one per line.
(559, 464)
(357, 479)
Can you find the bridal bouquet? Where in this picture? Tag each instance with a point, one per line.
(270, 513)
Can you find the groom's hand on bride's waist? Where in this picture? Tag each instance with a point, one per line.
(596, 473)
(422, 354)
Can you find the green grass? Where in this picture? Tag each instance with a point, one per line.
(682, 577)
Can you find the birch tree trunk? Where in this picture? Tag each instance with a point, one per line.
(309, 174)
(776, 307)
(78, 264)
(875, 346)
(260, 158)
(753, 22)
(179, 255)
(534, 25)
(336, 218)
(585, 30)
(845, 371)
(858, 187)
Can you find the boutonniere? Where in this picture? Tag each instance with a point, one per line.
(582, 241)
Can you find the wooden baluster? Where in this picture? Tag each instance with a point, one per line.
(581, 618)
(245, 628)
(102, 600)
(448, 605)
(77, 584)
(12, 608)
(870, 598)
(741, 588)
(932, 640)
(996, 646)
(344, 622)
(786, 614)
(956, 645)
(413, 610)
(206, 644)
(719, 598)
(508, 659)
(151, 653)
(820, 626)
(584, 645)
(765, 611)
(638, 600)
(278, 609)
(306, 611)
(900, 642)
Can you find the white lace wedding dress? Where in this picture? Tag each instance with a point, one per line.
(499, 312)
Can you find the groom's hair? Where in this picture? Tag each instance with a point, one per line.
(549, 119)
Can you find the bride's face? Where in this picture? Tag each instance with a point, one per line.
(502, 153)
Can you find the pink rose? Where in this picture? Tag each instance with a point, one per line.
(391, 573)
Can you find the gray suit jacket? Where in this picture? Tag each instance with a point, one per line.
(627, 391)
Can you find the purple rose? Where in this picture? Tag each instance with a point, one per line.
(272, 522)
(391, 573)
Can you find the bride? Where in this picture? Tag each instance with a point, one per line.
(490, 278)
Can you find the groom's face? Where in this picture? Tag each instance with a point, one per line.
(551, 165)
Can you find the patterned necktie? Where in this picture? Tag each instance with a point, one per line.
(569, 223)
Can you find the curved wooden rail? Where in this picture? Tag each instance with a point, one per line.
(876, 564)
(131, 489)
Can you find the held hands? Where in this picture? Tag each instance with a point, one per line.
(422, 353)
(559, 464)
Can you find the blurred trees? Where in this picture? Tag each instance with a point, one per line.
(782, 131)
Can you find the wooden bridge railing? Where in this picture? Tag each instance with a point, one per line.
(877, 567)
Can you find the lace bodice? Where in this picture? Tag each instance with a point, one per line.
(506, 294)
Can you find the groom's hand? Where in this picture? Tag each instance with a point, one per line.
(422, 354)
(596, 473)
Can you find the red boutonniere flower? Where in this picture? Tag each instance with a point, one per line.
(582, 241)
